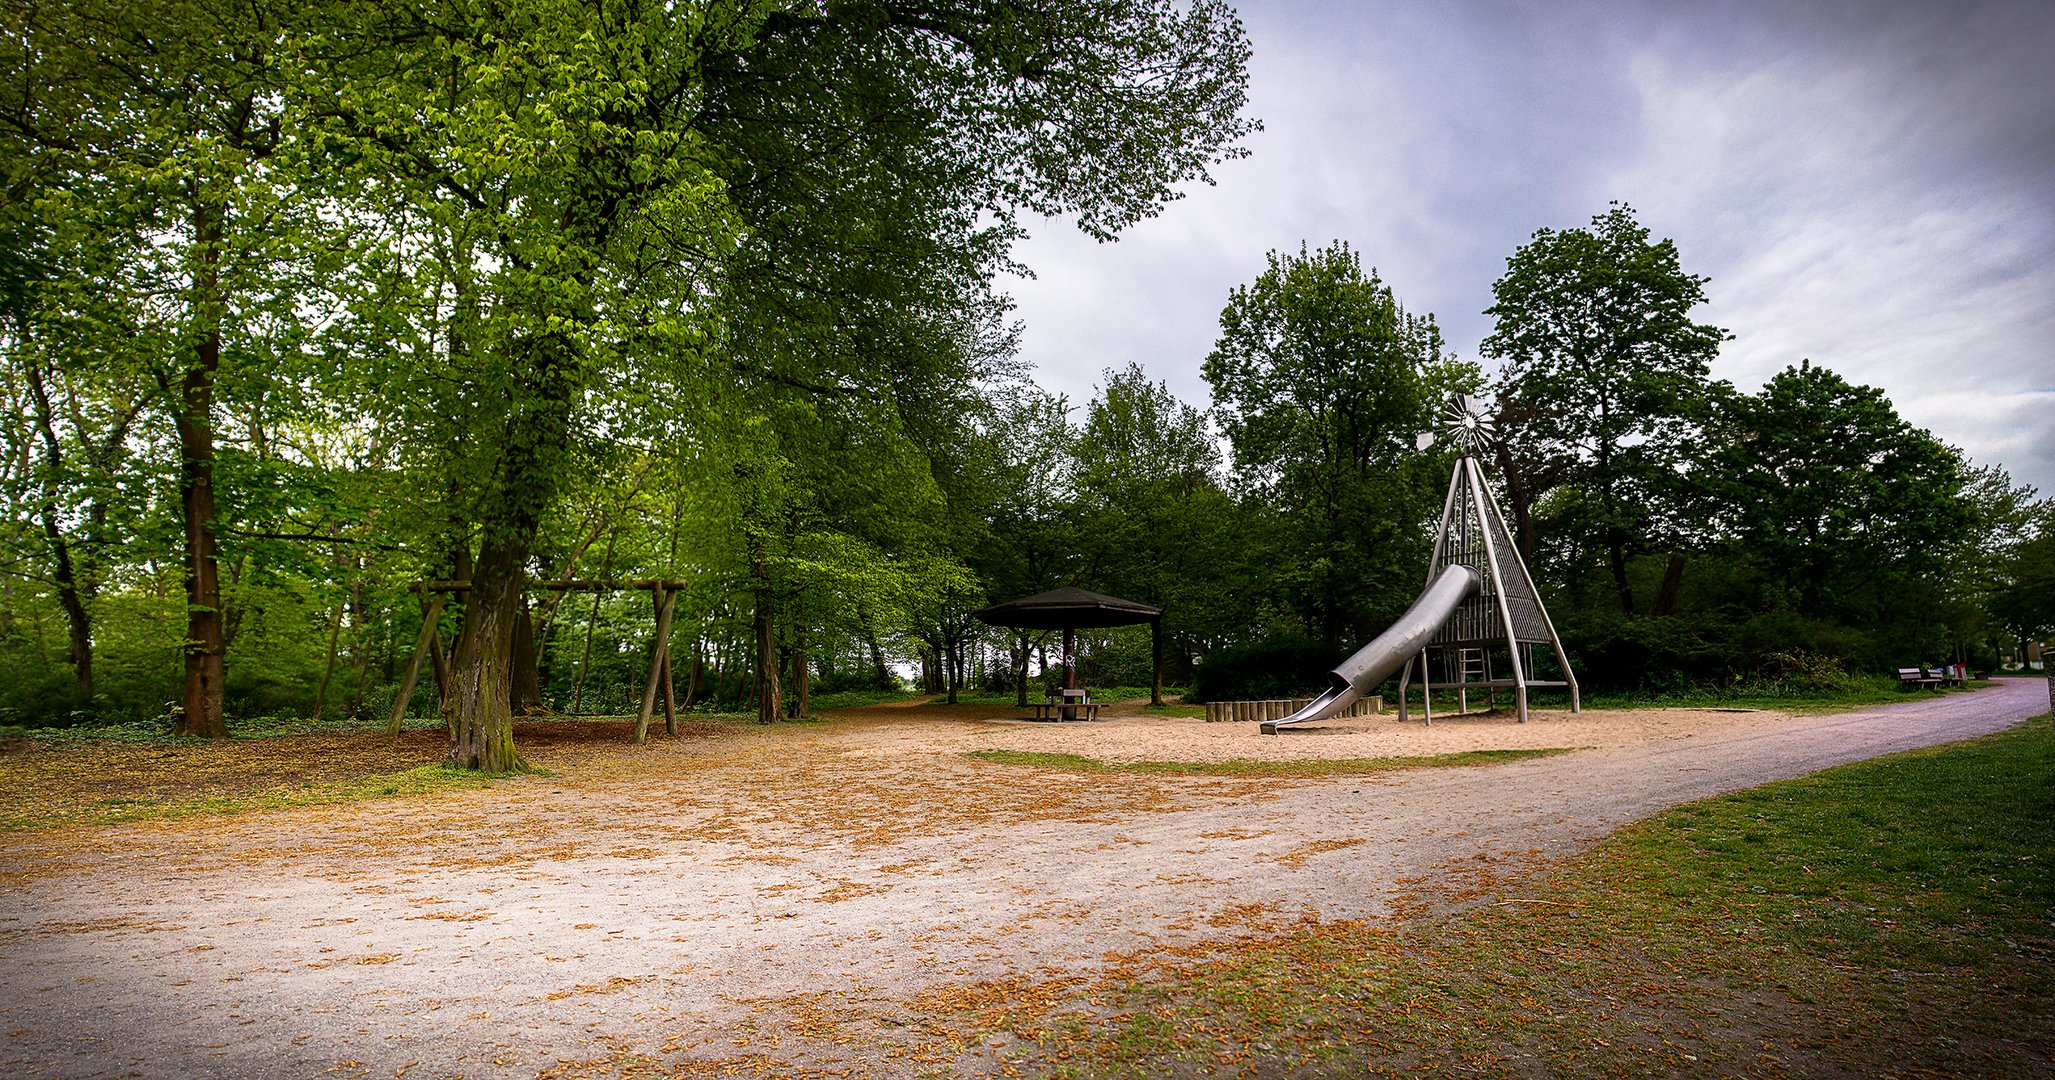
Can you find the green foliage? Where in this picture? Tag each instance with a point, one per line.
(1605, 380)
(1278, 666)
(1842, 508)
(1320, 382)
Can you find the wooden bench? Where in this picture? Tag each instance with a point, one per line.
(1920, 678)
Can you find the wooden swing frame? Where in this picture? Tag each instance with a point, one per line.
(663, 592)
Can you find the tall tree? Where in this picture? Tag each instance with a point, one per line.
(606, 160)
(1154, 522)
(1605, 374)
(171, 110)
(1845, 510)
(1320, 381)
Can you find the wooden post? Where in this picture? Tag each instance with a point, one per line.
(665, 600)
(670, 693)
(1156, 654)
(421, 648)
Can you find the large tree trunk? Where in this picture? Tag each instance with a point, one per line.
(768, 703)
(1616, 561)
(882, 673)
(482, 729)
(1672, 586)
(206, 646)
(526, 689)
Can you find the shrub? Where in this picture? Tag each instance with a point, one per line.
(1278, 666)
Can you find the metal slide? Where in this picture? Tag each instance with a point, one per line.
(1389, 651)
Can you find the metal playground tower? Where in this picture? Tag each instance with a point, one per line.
(1488, 642)
(1475, 625)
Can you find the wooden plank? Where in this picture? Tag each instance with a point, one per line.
(571, 585)
(421, 647)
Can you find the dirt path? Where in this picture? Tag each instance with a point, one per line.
(687, 900)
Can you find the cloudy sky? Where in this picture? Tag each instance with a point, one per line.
(1869, 184)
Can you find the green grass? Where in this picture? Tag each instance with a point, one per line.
(424, 780)
(1885, 918)
(851, 699)
(1858, 692)
(1255, 768)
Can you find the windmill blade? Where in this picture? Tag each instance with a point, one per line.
(1423, 440)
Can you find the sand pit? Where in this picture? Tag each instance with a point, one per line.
(1128, 732)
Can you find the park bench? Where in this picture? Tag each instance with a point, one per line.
(1920, 678)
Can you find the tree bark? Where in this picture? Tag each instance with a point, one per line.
(525, 691)
(694, 674)
(335, 615)
(1616, 560)
(883, 673)
(1156, 661)
(952, 665)
(768, 704)
(802, 683)
(482, 727)
(802, 677)
(206, 647)
(423, 645)
(78, 620)
(1673, 585)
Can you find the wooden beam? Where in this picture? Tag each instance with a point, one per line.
(562, 585)
(1156, 659)
(666, 600)
(429, 619)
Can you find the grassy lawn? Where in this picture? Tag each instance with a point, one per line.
(1859, 692)
(1248, 767)
(1886, 918)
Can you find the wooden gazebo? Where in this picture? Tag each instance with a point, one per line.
(1070, 609)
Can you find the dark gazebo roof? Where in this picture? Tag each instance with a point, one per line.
(1063, 608)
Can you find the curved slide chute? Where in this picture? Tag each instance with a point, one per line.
(1389, 651)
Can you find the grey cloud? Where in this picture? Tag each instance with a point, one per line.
(1871, 185)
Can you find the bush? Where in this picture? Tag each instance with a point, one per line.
(1278, 666)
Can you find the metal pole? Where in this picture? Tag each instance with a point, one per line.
(1498, 584)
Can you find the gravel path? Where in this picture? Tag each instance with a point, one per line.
(683, 899)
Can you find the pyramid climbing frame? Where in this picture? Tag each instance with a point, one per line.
(1497, 627)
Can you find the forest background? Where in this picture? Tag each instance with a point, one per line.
(306, 305)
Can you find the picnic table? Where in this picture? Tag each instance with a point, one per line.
(1067, 705)
(1929, 678)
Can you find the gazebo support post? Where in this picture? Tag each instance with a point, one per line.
(1156, 657)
